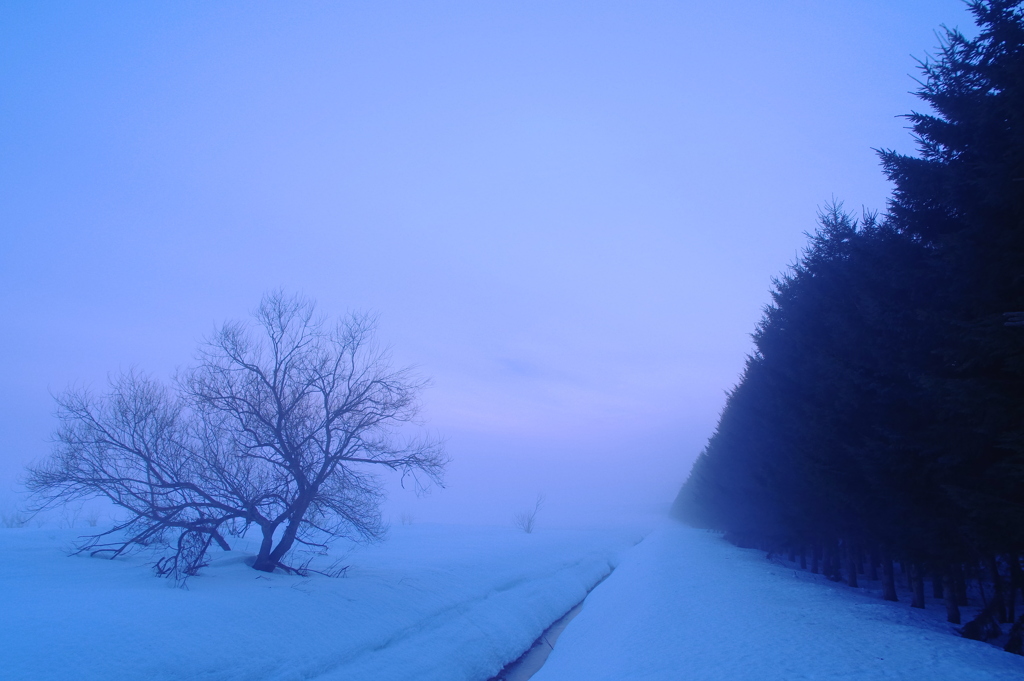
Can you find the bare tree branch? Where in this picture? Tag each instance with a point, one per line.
(279, 424)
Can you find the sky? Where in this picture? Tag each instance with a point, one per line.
(566, 214)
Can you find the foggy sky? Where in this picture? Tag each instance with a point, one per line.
(567, 214)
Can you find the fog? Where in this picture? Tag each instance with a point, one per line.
(567, 215)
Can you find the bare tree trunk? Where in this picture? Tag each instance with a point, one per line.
(263, 561)
(888, 579)
(851, 567)
(917, 579)
(287, 540)
(952, 609)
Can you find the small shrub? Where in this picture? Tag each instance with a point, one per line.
(13, 519)
(526, 520)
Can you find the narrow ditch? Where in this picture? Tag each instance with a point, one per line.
(527, 664)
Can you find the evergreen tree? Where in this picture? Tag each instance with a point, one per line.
(882, 411)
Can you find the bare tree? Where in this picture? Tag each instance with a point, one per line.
(526, 520)
(281, 427)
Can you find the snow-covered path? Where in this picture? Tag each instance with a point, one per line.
(684, 604)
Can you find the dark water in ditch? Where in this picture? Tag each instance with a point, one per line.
(534, 658)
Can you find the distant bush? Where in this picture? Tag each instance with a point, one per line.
(525, 520)
(13, 519)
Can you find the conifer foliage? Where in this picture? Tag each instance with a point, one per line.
(880, 418)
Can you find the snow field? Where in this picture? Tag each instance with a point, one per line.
(684, 604)
(430, 602)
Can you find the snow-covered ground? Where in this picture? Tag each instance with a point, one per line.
(431, 602)
(684, 604)
(457, 603)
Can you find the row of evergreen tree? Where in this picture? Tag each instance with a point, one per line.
(880, 418)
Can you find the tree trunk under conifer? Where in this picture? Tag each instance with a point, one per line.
(917, 582)
(888, 580)
(1015, 585)
(831, 562)
(998, 597)
(960, 585)
(1015, 642)
(949, 592)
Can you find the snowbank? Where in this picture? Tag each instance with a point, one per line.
(684, 604)
(431, 602)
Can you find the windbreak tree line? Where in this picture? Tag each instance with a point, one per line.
(880, 418)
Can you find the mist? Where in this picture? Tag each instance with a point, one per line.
(568, 217)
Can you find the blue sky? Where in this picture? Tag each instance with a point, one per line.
(568, 214)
